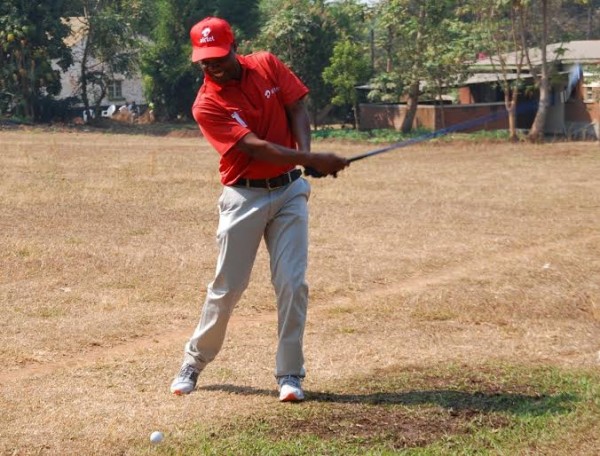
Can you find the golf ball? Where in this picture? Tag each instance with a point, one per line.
(156, 437)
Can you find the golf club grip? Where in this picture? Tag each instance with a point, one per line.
(312, 172)
(308, 171)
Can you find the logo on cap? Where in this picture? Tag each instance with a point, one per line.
(205, 36)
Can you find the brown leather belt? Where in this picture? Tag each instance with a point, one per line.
(272, 183)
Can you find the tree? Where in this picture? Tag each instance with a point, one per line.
(448, 52)
(170, 78)
(579, 20)
(502, 40)
(351, 63)
(31, 36)
(302, 34)
(352, 19)
(348, 67)
(517, 36)
(537, 34)
(541, 73)
(109, 47)
(386, 87)
(423, 41)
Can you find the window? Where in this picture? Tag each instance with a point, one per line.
(591, 93)
(115, 90)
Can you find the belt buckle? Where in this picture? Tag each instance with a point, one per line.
(287, 175)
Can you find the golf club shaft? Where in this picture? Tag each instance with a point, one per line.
(399, 145)
(435, 134)
(575, 74)
(377, 151)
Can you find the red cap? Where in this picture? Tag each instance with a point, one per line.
(211, 38)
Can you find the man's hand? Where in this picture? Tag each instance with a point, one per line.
(308, 171)
(325, 164)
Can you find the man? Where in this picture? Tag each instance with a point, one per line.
(251, 109)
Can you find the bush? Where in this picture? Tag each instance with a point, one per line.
(49, 109)
(393, 136)
(373, 136)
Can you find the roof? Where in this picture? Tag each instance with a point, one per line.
(480, 78)
(569, 52)
(577, 51)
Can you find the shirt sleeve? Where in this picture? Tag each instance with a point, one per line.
(292, 88)
(218, 127)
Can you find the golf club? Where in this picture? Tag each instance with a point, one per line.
(308, 171)
(574, 76)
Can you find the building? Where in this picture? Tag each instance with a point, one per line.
(575, 109)
(121, 90)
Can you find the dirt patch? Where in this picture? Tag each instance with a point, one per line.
(398, 427)
(412, 407)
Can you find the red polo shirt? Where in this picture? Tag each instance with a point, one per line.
(226, 113)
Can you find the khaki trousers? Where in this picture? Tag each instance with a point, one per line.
(246, 215)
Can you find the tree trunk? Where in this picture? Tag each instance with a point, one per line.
(356, 120)
(597, 124)
(512, 124)
(315, 115)
(411, 108)
(31, 92)
(511, 108)
(98, 102)
(372, 48)
(83, 78)
(537, 129)
(442, 105)
(413, 90)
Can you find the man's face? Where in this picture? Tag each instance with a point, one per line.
(222, 69)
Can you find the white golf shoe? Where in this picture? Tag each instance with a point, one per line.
(186, 379)
(290, 389)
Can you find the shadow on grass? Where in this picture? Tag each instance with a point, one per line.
(484, 402)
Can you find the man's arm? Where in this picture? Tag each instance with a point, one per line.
(299, 123)
(324, 163)
(263, 150)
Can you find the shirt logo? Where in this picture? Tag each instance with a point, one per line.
(271, 91)
(238, 119)
(206, 36)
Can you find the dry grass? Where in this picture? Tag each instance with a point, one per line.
(435, 253)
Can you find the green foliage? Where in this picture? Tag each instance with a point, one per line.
(383, 136)
(423, 48)
(378, 136)
(422, 41)
(31, 36)
(351, 20)
(386, 88)
(170, 79)
(302, 34)
(331, 45)
(348, 67)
